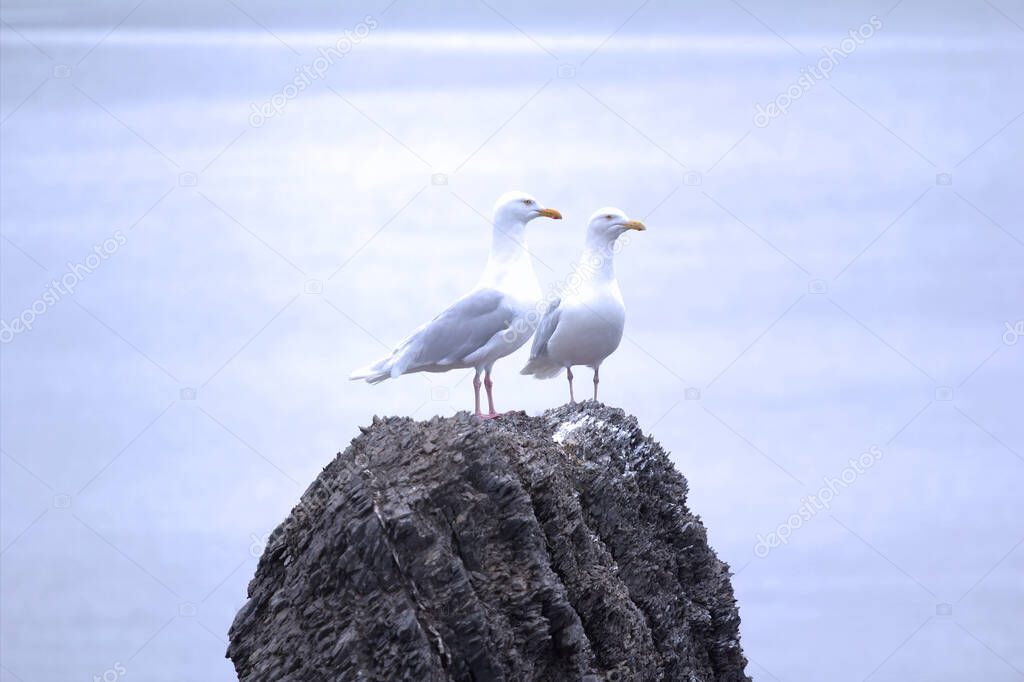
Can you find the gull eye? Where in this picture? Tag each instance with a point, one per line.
(528, 201)
(608, 217)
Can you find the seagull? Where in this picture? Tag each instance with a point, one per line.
(584, 326)
(489, 322)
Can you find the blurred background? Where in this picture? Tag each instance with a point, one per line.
(213, 211)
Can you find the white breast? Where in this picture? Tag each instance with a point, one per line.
(590, 327)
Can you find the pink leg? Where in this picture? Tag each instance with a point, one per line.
(568, 375)
(489, 385)
(476, 392)
(597, 380)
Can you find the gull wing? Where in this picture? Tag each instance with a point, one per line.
(451, 338)
(541, 364)
(545, 329)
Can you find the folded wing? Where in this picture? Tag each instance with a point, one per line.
(540, 364)
(457, 337)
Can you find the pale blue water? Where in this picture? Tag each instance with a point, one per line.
(132, 514)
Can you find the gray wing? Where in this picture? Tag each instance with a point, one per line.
(545, 329)
(462, 329)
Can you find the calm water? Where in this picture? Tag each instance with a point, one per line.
(839, 279)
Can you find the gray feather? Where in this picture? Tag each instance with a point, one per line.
(540, 364)
(545, 329)
(453, 336)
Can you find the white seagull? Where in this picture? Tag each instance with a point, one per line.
(489, 322)
(585, 325)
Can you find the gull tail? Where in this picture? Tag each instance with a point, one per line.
(542, 367)
(375, 373)
(400, 361)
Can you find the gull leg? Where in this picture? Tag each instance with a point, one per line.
(476, 392)
(489, 385)
(568, 375)
(597, 380)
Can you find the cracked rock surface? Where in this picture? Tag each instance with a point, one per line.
(556, 547)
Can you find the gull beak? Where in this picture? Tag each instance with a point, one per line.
(634, 225)
(550, 213)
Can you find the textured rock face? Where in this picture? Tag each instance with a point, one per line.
(556, 547)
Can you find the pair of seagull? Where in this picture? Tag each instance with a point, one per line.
(581, 327)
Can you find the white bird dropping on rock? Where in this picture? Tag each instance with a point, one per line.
(489, 322)
(585, 325)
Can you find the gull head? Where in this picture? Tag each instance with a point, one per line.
(609, 223)
(520, 207)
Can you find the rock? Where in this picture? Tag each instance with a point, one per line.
(556, 547)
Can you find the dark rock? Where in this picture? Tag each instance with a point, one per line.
(556, 547)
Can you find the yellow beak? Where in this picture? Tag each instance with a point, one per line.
(634, 225)
(550, 213)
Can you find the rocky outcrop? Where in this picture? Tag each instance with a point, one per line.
(556, 547)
